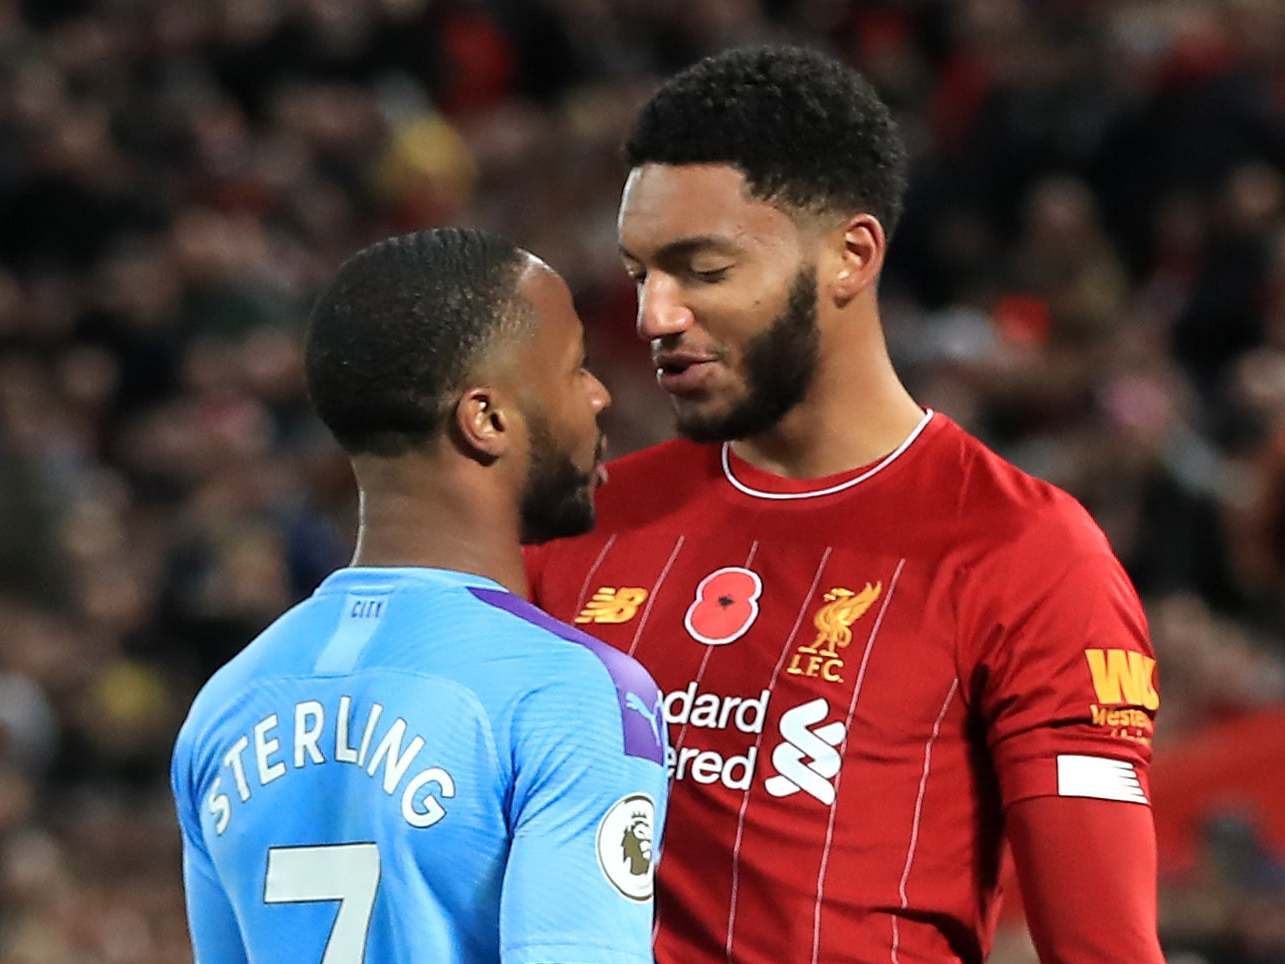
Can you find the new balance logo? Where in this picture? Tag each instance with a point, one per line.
(612, 605)
(805, 741)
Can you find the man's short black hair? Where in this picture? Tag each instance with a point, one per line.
(393, 338)
(804, 129)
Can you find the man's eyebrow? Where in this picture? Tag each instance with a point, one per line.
(580, 348)
(685, 247)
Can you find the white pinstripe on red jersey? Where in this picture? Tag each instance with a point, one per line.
(589, 574)
(838, 777)
(651, 597)
(745, 799)
(919, 803)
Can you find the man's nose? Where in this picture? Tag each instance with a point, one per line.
(599, 397)
(661, 311)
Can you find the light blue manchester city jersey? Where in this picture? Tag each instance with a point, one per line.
(417, 765)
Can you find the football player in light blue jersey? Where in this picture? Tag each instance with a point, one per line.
(416, 765)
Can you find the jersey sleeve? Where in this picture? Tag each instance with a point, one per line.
(216, 936)
(587, 810)
(1062, 669)
(1083, 863)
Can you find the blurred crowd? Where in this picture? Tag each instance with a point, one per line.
(1090, 275)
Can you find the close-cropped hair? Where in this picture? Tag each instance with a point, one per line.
(403, 324)
(805, 130)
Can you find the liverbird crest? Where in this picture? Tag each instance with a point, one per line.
(843, 608)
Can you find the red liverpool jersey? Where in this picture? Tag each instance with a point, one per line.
(859, 674)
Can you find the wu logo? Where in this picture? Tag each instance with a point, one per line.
(807, 759)
(1123, 677)
(612, 605)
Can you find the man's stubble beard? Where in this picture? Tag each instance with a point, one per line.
(780, 365)
(557, 499)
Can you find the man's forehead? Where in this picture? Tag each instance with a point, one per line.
(692, 244)
(663, 179)
(695, 206)
(546, 291)
(540, 284)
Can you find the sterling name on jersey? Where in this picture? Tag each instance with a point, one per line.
(416, 765)
(859, 673)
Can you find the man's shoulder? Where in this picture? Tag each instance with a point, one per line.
(1015, 507)
(230, 682)
(525, 650)
(526, 619)
(409, 629)
(565, 685)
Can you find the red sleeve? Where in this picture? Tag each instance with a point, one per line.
(1088, 875)
(1062, 670)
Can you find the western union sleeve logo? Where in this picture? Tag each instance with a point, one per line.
(1123, 682)
(613, 605)
(1123, 676)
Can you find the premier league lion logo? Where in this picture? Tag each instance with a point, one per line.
(625, 839)
(635, 845)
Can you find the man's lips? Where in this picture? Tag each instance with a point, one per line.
(599, 474)
(683, 372)
(676, 359)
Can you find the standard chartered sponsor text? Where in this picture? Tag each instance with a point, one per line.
(711, 711)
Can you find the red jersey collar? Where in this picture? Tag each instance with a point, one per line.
(754, 482)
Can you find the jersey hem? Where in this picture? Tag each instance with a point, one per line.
(580, 954)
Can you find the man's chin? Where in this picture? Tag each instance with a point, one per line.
(574, 518)
(744, 418)
(695, 418)
(539, 536)
(701, 424)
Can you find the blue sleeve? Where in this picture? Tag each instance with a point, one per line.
(216, 936)
(587, 812)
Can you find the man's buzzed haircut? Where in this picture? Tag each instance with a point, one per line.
(806, 131)
(393, 339)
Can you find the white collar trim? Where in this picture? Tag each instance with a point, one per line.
(831, 490)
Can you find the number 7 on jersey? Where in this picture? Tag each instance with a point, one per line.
(348, 873)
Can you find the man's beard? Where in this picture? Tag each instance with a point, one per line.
(780, 364)
(557, 500)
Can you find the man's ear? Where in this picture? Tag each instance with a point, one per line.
(485, 423)
(859, 247)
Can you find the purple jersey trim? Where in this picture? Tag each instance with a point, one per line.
(639, 697)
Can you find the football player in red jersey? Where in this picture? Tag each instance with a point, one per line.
(882, 648)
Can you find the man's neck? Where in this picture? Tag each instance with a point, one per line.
(849, 418)
(406, 519)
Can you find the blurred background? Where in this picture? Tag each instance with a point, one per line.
(1090, 276)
